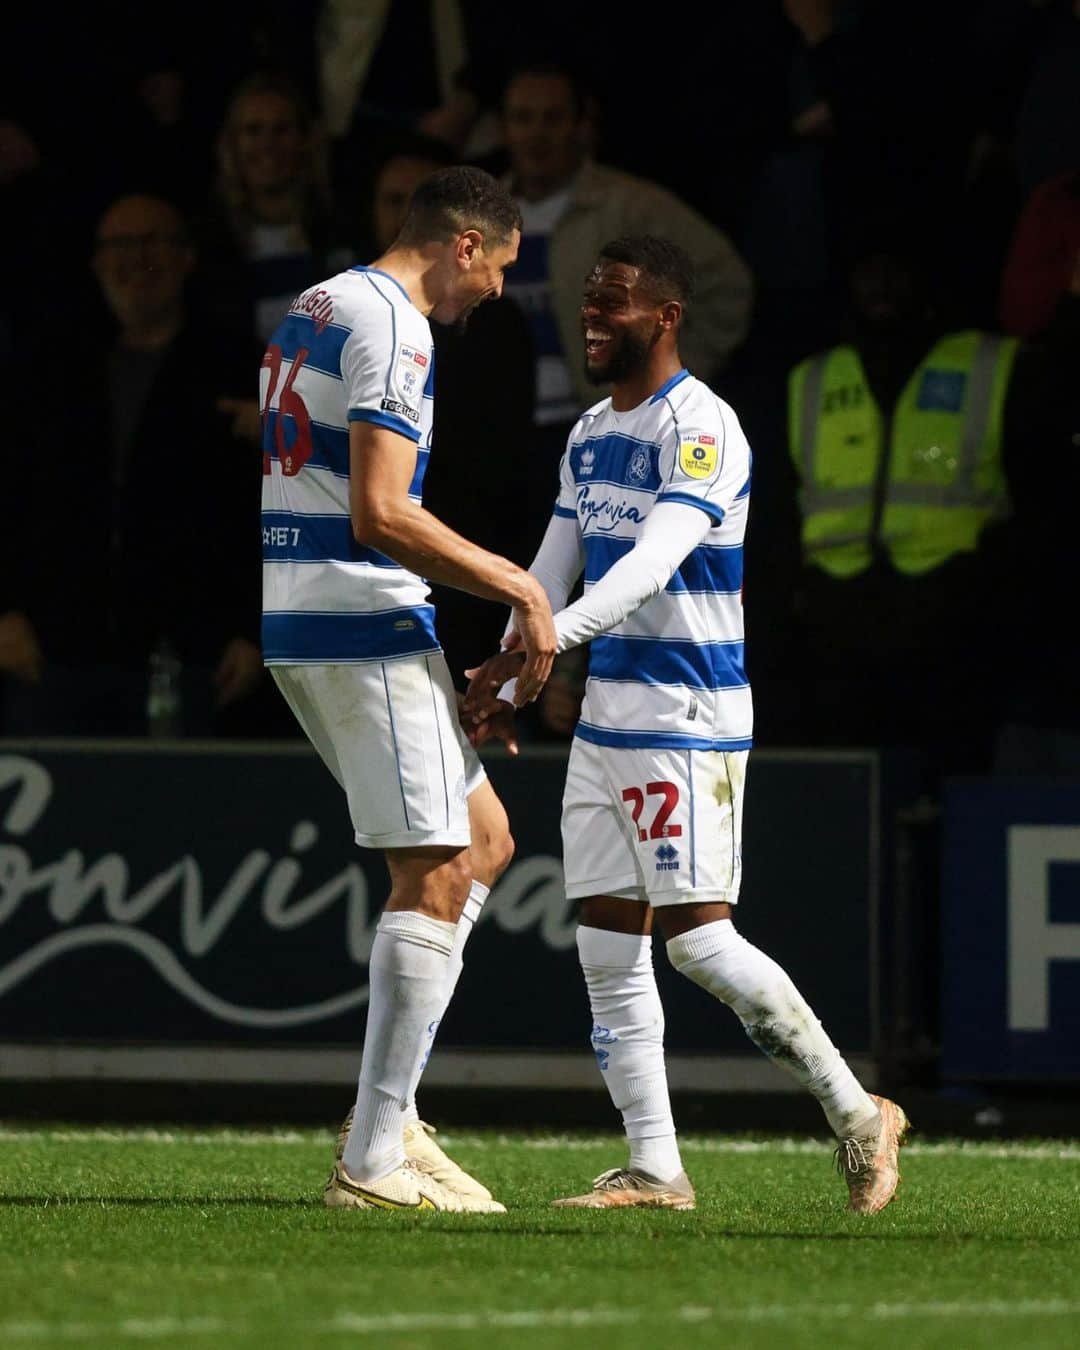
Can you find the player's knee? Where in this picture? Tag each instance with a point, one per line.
(434, 881)
(492, 853)
(458, 877)
(502, 855)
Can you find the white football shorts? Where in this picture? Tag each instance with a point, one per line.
(661, 826)
(388, 731)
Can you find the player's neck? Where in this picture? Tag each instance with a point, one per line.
(413, 272)
(632, 392)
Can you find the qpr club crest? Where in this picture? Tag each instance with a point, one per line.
(638, 469)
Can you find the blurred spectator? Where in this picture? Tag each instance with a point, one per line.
(789, 209)
(128, 101)
(897, 443)
(1042, 260)
(476, 476)
(1047, 137)
(1041, 732)
(862, 61)
(857, 144)
(361, 46)
(1022, 108)
(41, 221)
(137, 527)
(169, 136)
(453, 54)
(270, 234)
(572, 206)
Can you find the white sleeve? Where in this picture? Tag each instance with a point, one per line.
(385, 377)
(559, 559)
(672, 529)
(705, 460)
(557, 565)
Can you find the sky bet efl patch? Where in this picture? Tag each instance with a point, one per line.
(697, 455)
(411, 374)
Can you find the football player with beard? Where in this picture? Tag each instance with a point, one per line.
(652, 506)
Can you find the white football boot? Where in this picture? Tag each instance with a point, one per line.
(406, 1188)
(426, 1156)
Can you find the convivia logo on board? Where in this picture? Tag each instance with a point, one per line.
(161, 907)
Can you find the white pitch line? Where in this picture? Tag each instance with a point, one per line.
(130, 1328)
(359, 1324)
(1064, 1152)
(149, 1136)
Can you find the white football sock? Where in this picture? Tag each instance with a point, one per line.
(407, 977)
(628, 1038)
(775, 1016)
(474, 903)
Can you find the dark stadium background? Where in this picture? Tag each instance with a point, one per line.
(815, 135)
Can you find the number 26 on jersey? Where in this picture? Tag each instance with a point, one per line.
(290, 409)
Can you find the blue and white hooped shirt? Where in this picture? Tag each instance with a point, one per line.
(671, 674)
(353, 348)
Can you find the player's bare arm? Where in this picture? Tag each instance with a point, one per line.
(382, 464)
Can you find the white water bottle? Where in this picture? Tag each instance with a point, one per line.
(163, 695)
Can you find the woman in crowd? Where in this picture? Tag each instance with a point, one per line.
(268, 236)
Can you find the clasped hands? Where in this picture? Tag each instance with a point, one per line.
(483, 713)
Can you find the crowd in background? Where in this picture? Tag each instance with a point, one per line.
(883, 206)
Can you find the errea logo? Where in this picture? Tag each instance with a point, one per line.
(667, 858)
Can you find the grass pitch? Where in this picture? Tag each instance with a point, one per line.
(219, 1240)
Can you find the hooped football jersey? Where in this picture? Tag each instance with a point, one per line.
(353, 348)
(672, 673)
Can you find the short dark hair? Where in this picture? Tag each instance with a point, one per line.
(666, 264)
(456, 199)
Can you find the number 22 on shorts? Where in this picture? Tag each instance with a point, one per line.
(659, 829)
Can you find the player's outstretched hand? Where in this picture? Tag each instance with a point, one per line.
(498, 726)
(534, 622)
(485, 681)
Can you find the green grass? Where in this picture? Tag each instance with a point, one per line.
(219, 1240)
